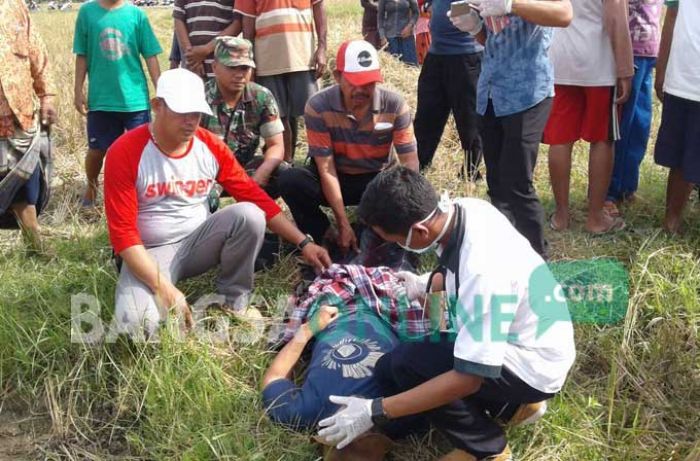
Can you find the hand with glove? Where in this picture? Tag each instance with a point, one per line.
(489, 8)
(351, 421)
(416, 285)
(470, 22)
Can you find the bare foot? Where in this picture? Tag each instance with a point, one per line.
(672, 225)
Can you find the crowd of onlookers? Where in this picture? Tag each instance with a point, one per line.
(557, 89)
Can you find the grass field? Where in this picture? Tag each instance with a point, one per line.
(633, 394)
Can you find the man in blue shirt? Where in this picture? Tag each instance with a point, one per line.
(343, 357)
(447, 83)
(514, 97)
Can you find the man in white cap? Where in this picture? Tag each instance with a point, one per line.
(351, 128)
(157, 181)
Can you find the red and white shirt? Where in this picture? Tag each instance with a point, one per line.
(152, 199)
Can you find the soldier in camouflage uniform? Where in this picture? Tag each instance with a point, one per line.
(244, 113)
(26, 95)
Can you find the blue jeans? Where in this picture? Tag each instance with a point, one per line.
(404, 49)
(634, 128)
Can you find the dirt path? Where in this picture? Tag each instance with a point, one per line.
(20, 433)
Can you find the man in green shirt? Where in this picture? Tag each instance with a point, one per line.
(244, 113)
(110, 37)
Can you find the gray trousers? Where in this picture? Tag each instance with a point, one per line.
(230, 239)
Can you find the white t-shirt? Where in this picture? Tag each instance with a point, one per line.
(153, 199)
(494, 259)
(581, 53)
(683, 71)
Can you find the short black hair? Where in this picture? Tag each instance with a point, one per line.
(396, 199)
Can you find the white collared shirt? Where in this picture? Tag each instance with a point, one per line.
(496, 260)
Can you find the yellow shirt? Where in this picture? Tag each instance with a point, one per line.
(23, 73)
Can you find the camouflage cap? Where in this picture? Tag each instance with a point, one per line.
(233, 51)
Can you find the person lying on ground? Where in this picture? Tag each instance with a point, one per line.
(343, 355)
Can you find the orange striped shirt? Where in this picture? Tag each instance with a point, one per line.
(359, 147)
(284, 34)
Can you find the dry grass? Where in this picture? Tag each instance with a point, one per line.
(634, 392)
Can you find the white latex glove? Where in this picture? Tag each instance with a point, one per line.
(470, 22)
(492, 7)
(348, 423)
(416, 285)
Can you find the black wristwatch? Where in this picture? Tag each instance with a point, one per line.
(308, 239)
(379, 417)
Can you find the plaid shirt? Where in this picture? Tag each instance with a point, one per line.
(351, 288)
(255, 116)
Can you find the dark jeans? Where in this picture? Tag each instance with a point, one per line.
(301, 190)
(447, 83)
(511, 144)
(404, 49)
(464, 422)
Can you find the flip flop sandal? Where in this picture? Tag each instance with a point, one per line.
(553, 226)
(617, 226)
(611, 209)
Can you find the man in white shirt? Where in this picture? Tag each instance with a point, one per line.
(158, 178)
(678, 87)
(493, 360)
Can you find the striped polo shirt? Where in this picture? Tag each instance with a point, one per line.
(359, 146)
(205, 19)
(284, 34)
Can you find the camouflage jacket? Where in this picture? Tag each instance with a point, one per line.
(255, 116)
(23, 73)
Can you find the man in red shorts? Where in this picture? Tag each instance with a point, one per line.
(593, 69)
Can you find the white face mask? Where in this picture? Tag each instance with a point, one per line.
(444, 206)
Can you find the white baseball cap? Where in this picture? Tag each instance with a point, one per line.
(183, 91)
(359, 63)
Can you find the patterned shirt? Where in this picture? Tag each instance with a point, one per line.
(516, 72)
(359, 146)
(645, 16)
(351, 288)
(24, 69)
(255, 116)
(284, 34)
(204, 21)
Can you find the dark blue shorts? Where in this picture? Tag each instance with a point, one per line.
(29, 192)
(678, 143)
(104, 127)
